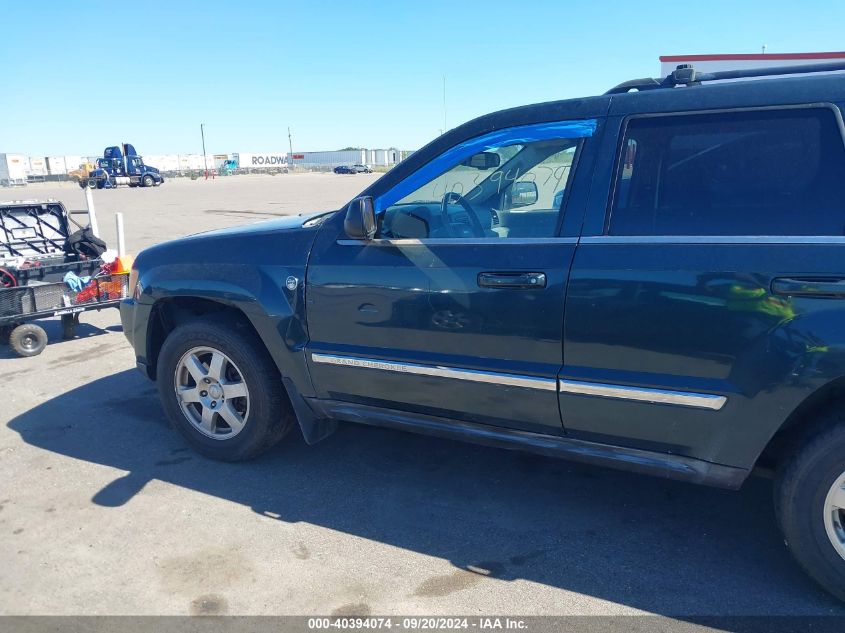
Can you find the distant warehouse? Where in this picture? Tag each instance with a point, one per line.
(18, 169)
(372, 157)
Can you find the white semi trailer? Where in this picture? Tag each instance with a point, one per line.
(261, 161)
(14, 168)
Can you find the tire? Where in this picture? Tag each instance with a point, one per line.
(803, 487)
(148, 181)
(265, 414)
(92, 183)
(28, 339)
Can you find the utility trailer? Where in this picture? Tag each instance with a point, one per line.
(33, 266)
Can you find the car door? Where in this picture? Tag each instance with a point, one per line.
(455, 309)
(684, 306)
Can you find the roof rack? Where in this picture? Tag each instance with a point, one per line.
(686, 75)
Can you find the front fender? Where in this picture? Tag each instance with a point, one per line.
(260, 274)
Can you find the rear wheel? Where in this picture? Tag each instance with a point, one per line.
(222, 391)
(28, 339)
(810, 503)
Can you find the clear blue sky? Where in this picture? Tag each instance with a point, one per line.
(78, 76)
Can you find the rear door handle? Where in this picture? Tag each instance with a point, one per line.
(809, 286)
(512, 280)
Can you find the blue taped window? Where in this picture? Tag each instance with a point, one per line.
(515, 190)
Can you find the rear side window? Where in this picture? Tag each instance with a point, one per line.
(769, 172)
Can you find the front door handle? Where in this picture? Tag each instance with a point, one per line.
(809, 286)
(512, 280)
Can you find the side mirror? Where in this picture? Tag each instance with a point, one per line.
(523, 194)
(483, 160)
(360, 221)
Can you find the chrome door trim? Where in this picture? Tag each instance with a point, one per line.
(466, 241)
(713, 239)
(472, 375)
(643, 394)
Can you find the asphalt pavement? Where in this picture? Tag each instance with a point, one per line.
(105, 510)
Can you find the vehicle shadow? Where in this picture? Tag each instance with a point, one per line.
(647, 543)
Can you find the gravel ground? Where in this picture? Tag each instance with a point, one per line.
(104, 509)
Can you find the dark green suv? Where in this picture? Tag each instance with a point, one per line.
(652, 279)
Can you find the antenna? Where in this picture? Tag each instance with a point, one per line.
(445, 128)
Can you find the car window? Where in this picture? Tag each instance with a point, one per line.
(513, 191)
(769, 172)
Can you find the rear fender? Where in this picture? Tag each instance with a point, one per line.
(787, 368)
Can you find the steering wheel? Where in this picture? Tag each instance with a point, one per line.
(453, 197)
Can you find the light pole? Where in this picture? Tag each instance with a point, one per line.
(204, 159)
(290, 145)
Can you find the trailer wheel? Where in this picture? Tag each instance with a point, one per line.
(148, 181)
(28, 339)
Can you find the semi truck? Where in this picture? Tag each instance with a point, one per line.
(121, 165)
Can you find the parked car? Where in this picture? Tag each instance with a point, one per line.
(696, 251)
(353, 169)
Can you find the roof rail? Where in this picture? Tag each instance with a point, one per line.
(686, 75)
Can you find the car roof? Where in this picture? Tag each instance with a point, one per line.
(747, 93)
(742, 93)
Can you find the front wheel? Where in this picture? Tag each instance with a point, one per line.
(810, 503)
(222, 391)
(148, 181)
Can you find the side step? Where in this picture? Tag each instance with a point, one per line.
(629, 459)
